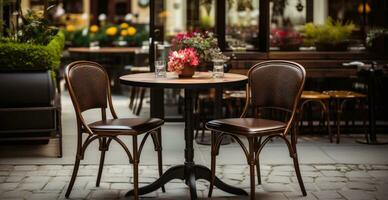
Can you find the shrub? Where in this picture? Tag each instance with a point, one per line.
(30, 57)
(331, 32)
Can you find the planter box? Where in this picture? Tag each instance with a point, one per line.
(30, 108)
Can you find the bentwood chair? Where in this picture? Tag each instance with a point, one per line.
(88, 85)
(274, 88)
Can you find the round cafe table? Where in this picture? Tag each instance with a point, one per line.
(188, 171)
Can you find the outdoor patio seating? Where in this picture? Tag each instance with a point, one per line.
(275, 86)
(89, 88)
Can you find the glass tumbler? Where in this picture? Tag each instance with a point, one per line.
(218, 68)
(160, 69)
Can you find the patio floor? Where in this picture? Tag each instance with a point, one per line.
(330, 171)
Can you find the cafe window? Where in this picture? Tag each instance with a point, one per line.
(242, 24)
(317, 24)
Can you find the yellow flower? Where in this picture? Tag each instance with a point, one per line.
(70, 28)
(94, 28)
(124, 25)
(124, 33)
(111, 31)
(131, 31)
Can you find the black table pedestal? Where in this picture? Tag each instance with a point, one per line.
(371, 137)
(190, 172)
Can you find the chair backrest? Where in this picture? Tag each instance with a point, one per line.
(276, 84)
(89, 88)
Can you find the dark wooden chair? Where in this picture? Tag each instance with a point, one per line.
(273, 86)
(321, 99)
(89, 88)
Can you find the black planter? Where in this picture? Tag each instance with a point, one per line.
(329, 46)
(30, 108)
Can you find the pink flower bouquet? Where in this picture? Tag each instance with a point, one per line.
(181, 59)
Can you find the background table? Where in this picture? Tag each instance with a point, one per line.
(189, 171)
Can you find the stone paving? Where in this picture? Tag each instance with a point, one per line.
(335, 181)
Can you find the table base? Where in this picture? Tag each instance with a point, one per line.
(190, 174)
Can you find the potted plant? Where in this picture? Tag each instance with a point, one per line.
(331, 36)
(204, 44)
(29, 60)
(183, 62)
(286, 39)
(377, 40)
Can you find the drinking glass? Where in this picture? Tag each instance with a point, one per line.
(218, 68)
(160, 69)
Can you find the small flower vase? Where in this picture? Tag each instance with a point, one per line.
(187, 72)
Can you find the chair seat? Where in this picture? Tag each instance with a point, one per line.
(130, 126)
(341, 94)
(246, 126)
(314, 95)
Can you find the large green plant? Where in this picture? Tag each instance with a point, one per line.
(332, 32)
(26, 56)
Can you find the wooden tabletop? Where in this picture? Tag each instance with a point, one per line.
(104, 50)
(199, 80)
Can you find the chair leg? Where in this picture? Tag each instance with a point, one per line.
(294, 156)
(213, 164)
(251, 161)
(257, 145)
(326, 109)
(135, 169)
(73, 176)
(103, 149)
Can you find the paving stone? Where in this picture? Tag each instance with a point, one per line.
(3, 178)
(25, 167)
(357, 195)
(79, 185)
(327, 195)
(50, 167)
(278, 179)
(15, 194)
(305, 179)
(78, 194)
(32, 186)
(121, 186)
(276, 187)
(357, 174)
(360, 186)
(286, 168)
(325, 167)
(50, 186)
(4, 173)
(92, 185)
(8, 186)
(33, 179)
(48, 196)
(62, 178)
(116, 179)
(331, 179)
(379, 173)
(310, 187)
(236, 177)
(382, 167)
(305, 168)
(332, 173)
(299, 196)
(6, 167)
(330, 185)
(281, 173)
(309, 174)
(105, 194)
